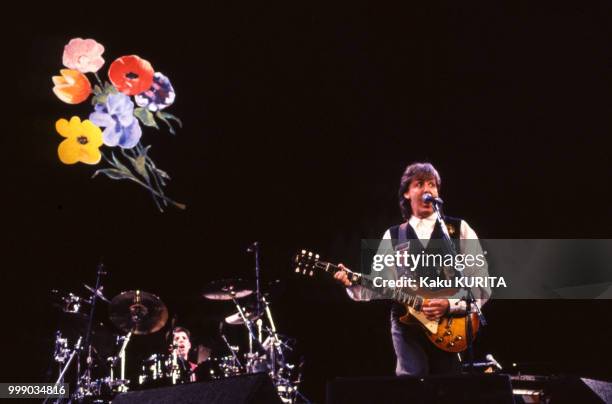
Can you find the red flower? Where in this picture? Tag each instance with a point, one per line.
(131, 75)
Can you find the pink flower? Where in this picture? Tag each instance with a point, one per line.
(84, 55)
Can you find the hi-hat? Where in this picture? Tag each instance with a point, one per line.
(236, 318)
(227, 289)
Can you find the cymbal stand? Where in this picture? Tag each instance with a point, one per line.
(269, 315)
(254, 248)
(122, 355)
(247, 323)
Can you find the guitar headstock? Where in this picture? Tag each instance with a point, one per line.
(306, 262)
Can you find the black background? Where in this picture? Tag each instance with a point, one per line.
(299, 120)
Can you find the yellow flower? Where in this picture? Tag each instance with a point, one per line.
(82, 143)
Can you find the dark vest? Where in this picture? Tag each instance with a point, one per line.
(409, 241)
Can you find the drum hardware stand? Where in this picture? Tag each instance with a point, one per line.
(231, 349)
(100, 271)
(121, 356)
(175, 367)
(254, 248)
(60, 379)
(259, 330)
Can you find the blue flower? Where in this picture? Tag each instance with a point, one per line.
(117, 116)
(159, 96)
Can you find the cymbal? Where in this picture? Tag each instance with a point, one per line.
(227, 289)
(236, 318)
(138, 311)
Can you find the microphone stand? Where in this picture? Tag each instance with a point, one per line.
(469, 299)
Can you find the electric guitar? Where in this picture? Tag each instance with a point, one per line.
(447, 333)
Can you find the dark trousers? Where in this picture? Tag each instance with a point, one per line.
(417, 355)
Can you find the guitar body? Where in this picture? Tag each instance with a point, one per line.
(447, 333)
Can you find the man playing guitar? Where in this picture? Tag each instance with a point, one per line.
(417, 356)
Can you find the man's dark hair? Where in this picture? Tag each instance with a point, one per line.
(182, 329)
(415, 171)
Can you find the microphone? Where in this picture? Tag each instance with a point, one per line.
(491, 359)
(429, 198)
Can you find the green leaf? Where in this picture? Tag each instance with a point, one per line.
(146, 117)
(139, 162)
(162, 173)
(97, 90)
(99, 99)
(120, 166)
(166, 117)
(109, 88)
(112, 173)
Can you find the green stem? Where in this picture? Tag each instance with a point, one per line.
(99, 81)
(145, 178)
(153, 191)
(163, 197)
(151, 169)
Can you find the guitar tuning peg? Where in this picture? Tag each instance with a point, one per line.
(317, 256)
(297, 270)
(303, 252)
(310, 254)
(311, 273)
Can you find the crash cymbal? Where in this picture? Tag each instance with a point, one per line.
(236, 318)
(138, 311)
(227, 289)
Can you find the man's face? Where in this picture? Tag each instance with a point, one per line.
(182, 340)
(415, 192)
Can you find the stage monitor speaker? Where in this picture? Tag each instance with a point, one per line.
(472, 389)
(569, 390)
(252, 389)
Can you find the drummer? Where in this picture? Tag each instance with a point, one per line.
(181, 339)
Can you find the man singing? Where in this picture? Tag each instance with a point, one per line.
(416, 355)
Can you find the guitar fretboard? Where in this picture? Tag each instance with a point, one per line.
(400, 295)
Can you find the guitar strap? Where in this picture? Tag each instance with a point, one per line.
(401, 243)
(402, 236)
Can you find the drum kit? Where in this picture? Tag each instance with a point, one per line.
(96, 358)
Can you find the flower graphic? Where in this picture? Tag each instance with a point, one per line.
(116, 115)
(159, 96)
(72, 86)
(84, 55)
(115, 120)
(82, 143)
(131, 75)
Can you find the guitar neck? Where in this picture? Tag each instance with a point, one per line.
(399, 295)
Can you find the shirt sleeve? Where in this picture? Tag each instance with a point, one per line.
(358, 292)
